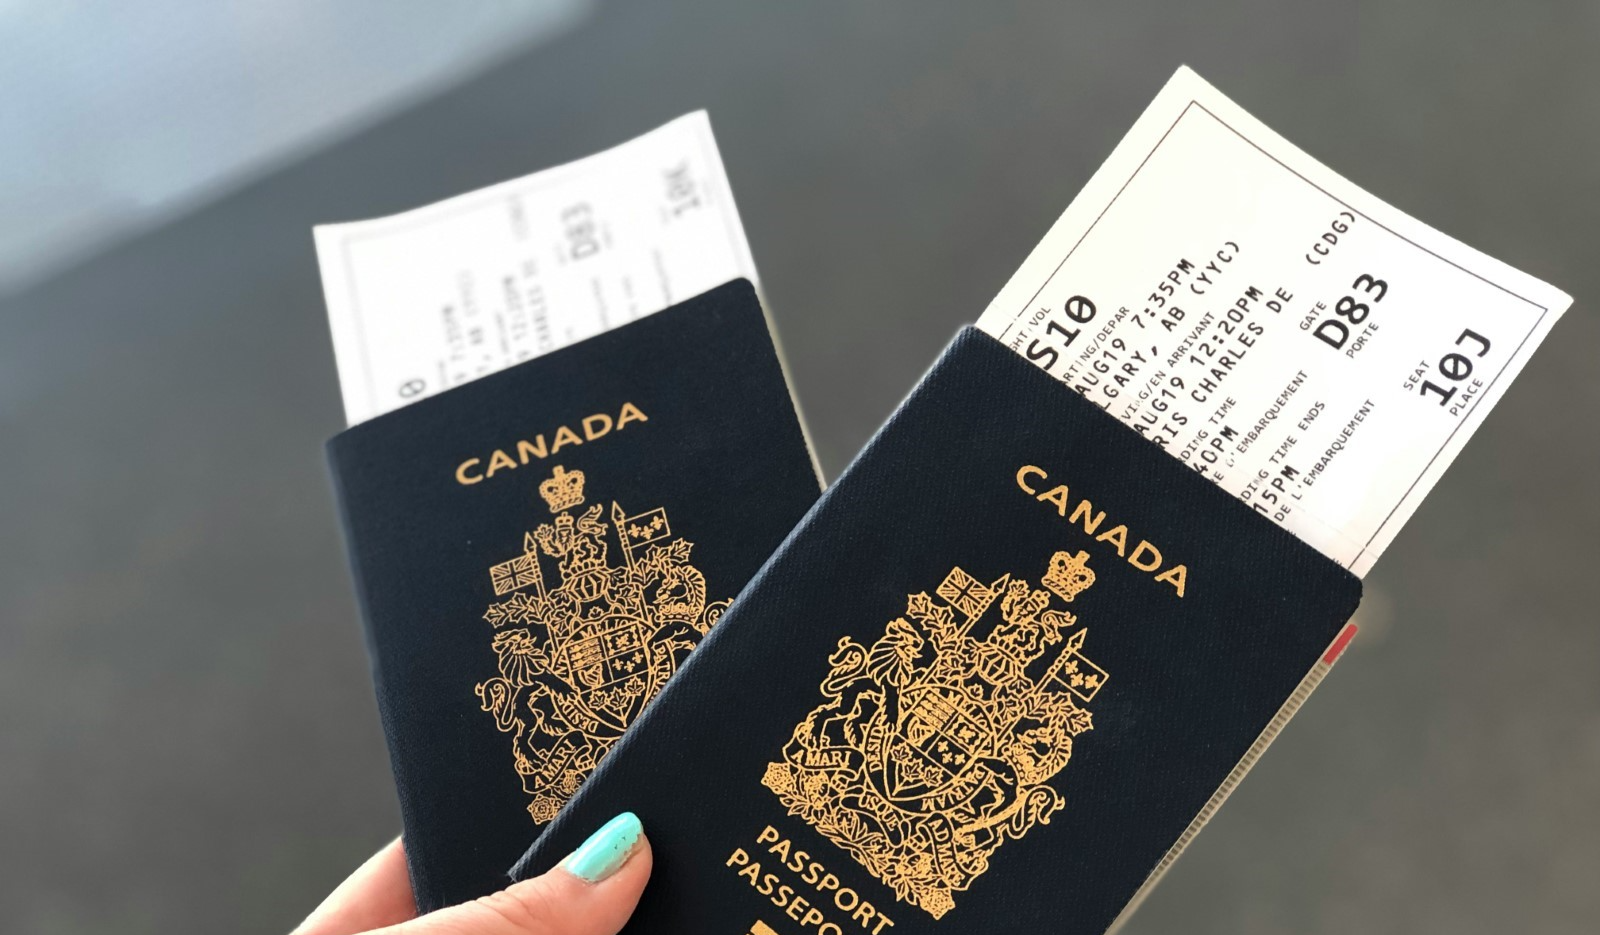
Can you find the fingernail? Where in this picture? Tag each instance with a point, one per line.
(606, 850)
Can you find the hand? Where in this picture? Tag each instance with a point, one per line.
(592, 892)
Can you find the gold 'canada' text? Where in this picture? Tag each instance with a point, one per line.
(588, 429)
(1035, 481)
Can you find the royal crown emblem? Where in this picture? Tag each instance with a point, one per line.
(582, 650)
(1068, 575)
(562, 490)
(938, 742)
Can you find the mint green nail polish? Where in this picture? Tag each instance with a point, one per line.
(606, 850)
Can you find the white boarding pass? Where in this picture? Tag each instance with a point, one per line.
(425, 300)
(1309, 348)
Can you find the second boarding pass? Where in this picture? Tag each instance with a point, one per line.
(429, 299)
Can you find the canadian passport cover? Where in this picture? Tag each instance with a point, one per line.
(536, 552)
(984, 686)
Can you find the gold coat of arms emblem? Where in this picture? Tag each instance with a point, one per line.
(582, 650)
(937, 743)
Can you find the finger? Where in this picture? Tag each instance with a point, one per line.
(377, 894)
(592, 892)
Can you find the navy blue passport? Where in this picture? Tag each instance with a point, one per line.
(991, 683)
(537, 552)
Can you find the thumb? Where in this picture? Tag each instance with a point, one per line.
(591, 892)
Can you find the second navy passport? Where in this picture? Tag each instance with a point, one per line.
(985, 686)
(537, 552)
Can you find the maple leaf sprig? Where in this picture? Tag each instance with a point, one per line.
(520, 608)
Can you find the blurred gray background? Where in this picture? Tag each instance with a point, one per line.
(188, 741)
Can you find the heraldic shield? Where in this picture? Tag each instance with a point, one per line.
(583, 650)
(938, 742)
